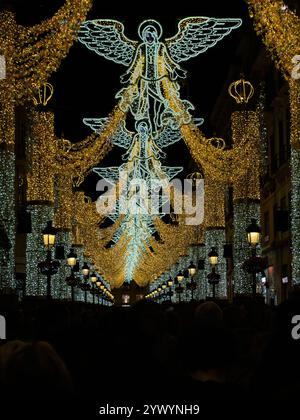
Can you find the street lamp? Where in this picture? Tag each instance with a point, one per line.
(213, 277)
(98, 284)
(85, 270)
(71, 259)
(178, 289)
(164, 288)
(49, 235)
(94, 279)
(72, 281)
(180, 276)
(49, 267)
(192, 269)
(253, 236)
(85, 286)
(213, 257)
(170, 284)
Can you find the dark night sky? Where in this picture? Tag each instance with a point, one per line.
(85, 84)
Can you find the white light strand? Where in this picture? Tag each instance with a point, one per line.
(60, 288)
(7, 217)
(36, 283)
(243, 213)
(216, 238)
(200, 277)
(79, 294)
(263, 131)
(295, 216)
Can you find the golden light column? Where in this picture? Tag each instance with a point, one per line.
(280, 30)
(7, 154)
(40, 152)
(245, 127)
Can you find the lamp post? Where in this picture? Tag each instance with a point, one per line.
(94, 279)
(180, 276)
(102, 287)
(98, 284)
(49, 267)
(192, 270)
(170, 284)
(253, 236)
(85, 286)
(72, 281)
(85, 270)
(154, 294)
(213, 277)
(213, 257)
(164, 290)
(179, 288)
(159, 289)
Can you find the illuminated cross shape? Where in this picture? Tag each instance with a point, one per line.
(150, 61)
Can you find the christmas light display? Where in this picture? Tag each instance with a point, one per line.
(195, 35)
(36, 283)
(201, 279)
(157, 122)
(25, 65)
(40, 151)
(246, 128)
(216, 238)
(60, 287)
(280, 29)
(30, 59)
(295, 225)
(7, 217)
(139, 246)
(243, 212)
(263, 131)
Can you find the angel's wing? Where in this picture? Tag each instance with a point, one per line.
(122, 137)
(96, 124)
(106, 37)
(171, 134)
(111, 174)
(196, 34)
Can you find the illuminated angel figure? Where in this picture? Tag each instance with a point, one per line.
(151, 60)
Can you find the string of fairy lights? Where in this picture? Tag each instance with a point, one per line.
(56, 165)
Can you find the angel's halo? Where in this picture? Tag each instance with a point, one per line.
(150, 22)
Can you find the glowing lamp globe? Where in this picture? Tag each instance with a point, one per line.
(49, 234)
